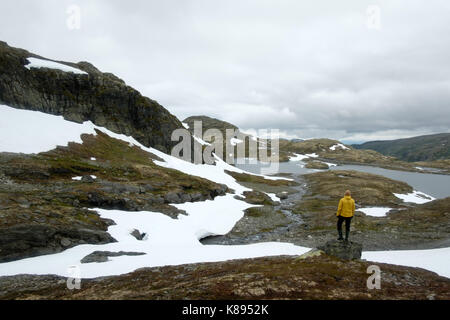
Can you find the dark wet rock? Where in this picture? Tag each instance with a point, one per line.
(102, 256)
(282, 195)
(346, 250)
(21, 241)
(137, 234)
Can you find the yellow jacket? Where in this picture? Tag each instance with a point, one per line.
(346, 207)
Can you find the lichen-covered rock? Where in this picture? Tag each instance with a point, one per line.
(346, 250)
(29, 240)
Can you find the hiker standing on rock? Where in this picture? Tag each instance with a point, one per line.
(345, 212)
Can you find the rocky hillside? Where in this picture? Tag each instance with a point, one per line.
(421, 148)
(312, 276)
(44, 207)
(92, 95)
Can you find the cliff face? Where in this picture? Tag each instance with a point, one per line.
(99, 97)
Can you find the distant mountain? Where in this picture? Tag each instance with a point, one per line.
(421, 148)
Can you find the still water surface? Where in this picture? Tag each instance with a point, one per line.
(436, 185)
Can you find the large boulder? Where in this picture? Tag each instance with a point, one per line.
(346, 250)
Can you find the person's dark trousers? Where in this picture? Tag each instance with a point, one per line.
(348, 221)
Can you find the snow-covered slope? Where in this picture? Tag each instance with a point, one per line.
(170, 241)
(24, 131)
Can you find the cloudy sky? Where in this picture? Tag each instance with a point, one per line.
(350, 70)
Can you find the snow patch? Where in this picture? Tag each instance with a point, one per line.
(273, 197)
(436, 260)
(300, 157)
(201, 141)
(40, 63)
(312, 155)
(415, 197)
(375, 211)
(329, 164)
(339, 145)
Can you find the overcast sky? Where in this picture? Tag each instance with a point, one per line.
(308, 68)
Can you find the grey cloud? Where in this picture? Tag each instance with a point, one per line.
(310, 69)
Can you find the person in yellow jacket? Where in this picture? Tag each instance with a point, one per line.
(345, 212)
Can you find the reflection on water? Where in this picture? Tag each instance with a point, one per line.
(436, 185)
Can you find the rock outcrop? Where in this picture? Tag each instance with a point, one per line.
(315, 277)
(316, 165)
(346, 250)
(209, 123)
